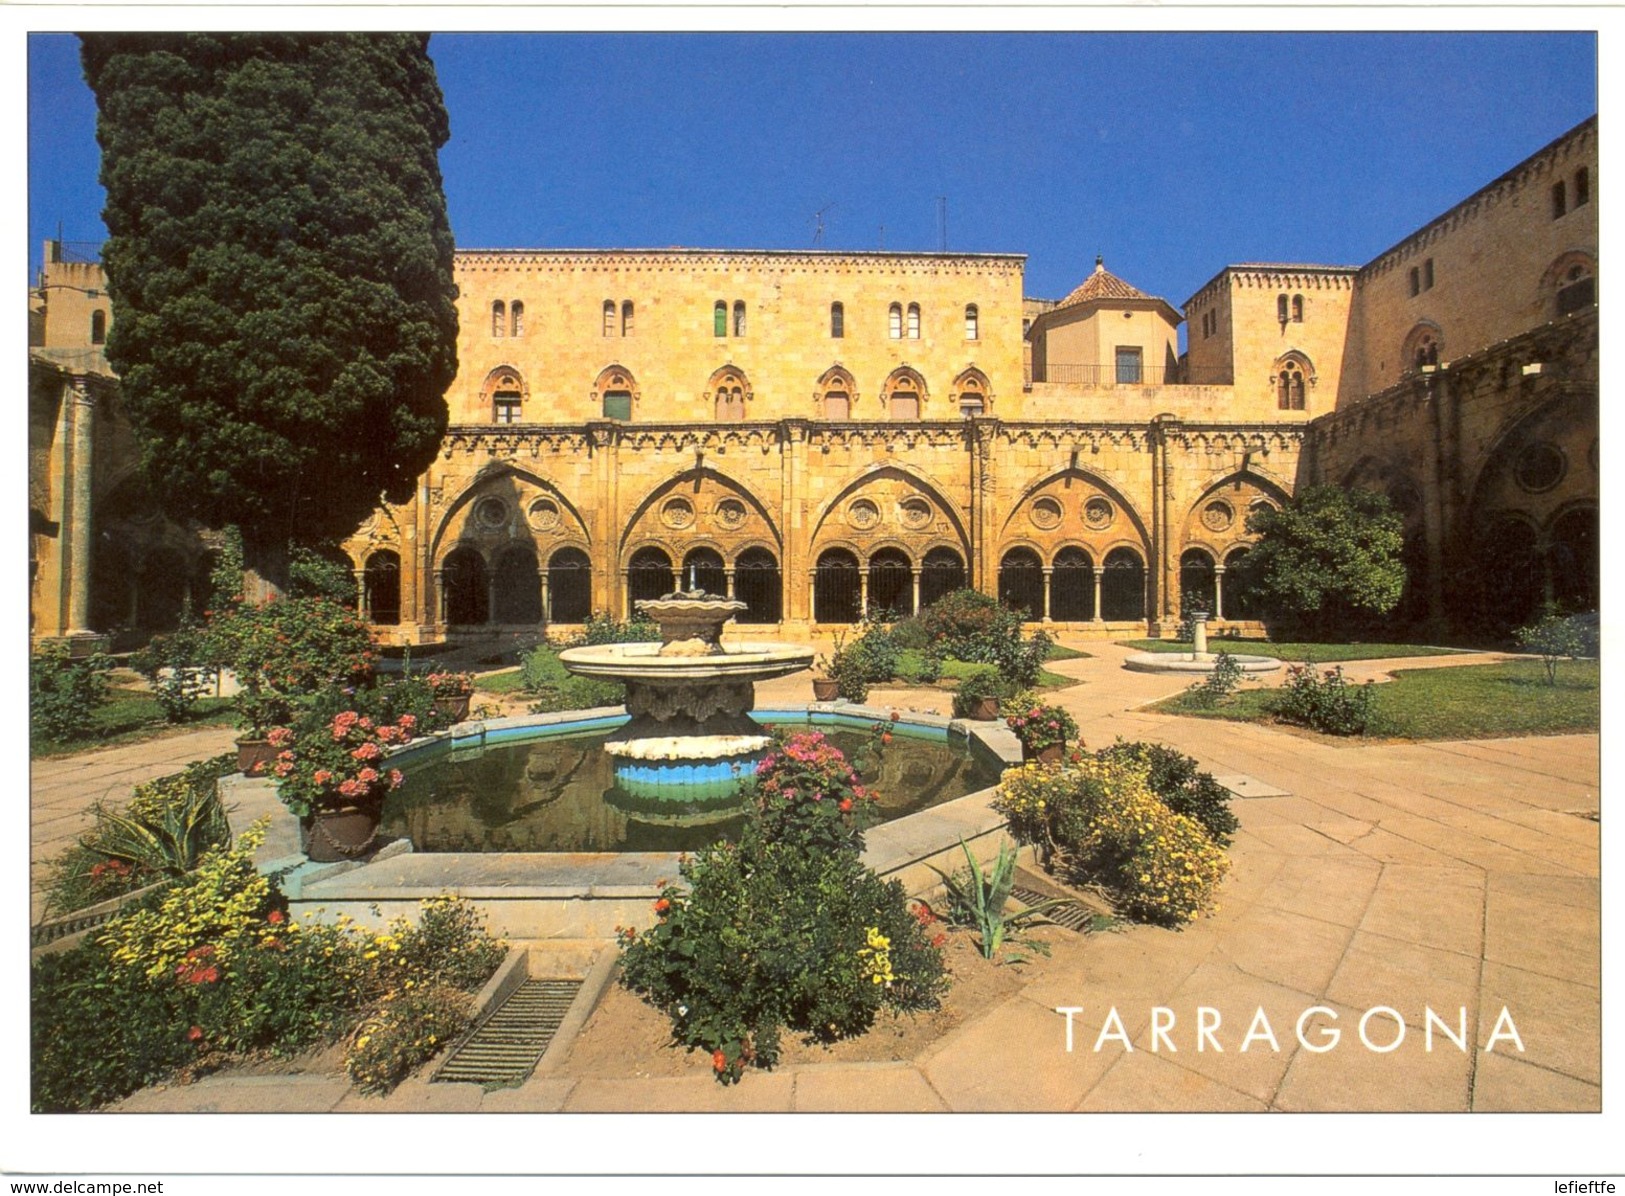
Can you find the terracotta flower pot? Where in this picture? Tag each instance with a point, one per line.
(826, 689)
(454, 707)
(986, 710)
(329, 836)
(255, 756)
(1051, 754)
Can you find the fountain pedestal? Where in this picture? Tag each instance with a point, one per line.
(691, 735)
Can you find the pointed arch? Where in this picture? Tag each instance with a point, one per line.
(615, 392)
(1113, 491)
(903, 395)
(572, 526)
(916, 480)
(693, 482)
(835, 395)
(1569, 283)
(503, 395)
(973, 393)
(1422, 346)
(1291, 377)
(729, 388)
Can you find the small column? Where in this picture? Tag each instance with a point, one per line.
(547, 598)
(1218, 593)
(1100, 572)
(491, 597)
(916, 572)
(440, 598)
(812, 595)
(626, 594)
(728, 572)
(363, 600)
(1199, 635)
(1049, 577)
(863, 592)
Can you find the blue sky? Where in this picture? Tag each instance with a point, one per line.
(1171, 154)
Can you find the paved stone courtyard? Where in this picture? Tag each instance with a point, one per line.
(1447, 876)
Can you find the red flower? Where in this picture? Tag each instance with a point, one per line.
(846, 805)
(662, 905)
(885, 737)
(274, 917)
(719, 1061)
(195, 1034)
(938, 939)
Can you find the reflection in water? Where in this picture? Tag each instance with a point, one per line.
(559, 795)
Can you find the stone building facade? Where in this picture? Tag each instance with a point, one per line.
(824, 433)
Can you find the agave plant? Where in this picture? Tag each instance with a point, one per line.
(977, 899)
(169, 827)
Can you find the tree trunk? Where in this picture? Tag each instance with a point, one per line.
(265, 571)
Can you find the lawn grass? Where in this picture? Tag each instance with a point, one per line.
(1309, 653)
(506, 682)
(1471, 702)
(132, 716)
(953, 669)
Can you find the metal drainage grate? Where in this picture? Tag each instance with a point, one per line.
(1070, 914)
(508, 1046)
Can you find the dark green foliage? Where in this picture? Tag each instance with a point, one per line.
(281, 263)
(554, 688)
(1182, 786)
(875, 651)
(604, 628)
(449, 943)
(773, 937)
(1219, 684)
(98, 1031)
(1555, 638)
(970, 626)
(63, 693)
(1324, 702)
(1327, 563)
(314, 575)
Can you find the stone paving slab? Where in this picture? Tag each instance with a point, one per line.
(873, 1088)
(1149, 1083)
(1351, 1076)
(1506, 1084)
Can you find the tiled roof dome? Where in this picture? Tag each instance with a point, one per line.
(1102, 284)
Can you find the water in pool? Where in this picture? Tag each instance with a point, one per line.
(559, 794)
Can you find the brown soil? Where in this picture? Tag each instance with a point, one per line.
(627, 1038)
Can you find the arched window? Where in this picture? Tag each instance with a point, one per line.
(1021, 583)
(569, 586)
(516, 318)
(516, 588)
(703, 570)
(972, 388)
(1290, 386)
(837, 320)
(730, 392)
(1280, 308)
(626, 317)
(1576, 289)
(98, 328)
(941, 572)
(1072, 586)
(904, 394)
(1240, 598)
(971, 322)
(618, 392)
(835, 394)
(891, 584)
(649, 576)
(505, 391)
(836, 590)
(467, 597)
(894, 321)
(499, 318)
(1195, 581)
(913, 321)
(739, 317)
(760, 586)
(609, 317)
(1297, 309)
(719, 319)
(1122, 586)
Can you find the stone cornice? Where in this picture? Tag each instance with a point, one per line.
(686, 260)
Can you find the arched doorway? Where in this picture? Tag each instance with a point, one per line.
(517, 588)
(1196, 591)
(1122, 586)
(381, 587)
(1240, 600)
(648, 576)
(1572, 561)
(569, 586)
(703, 569)
(891, 584)
(1072, 586)
(1510, 588)
(1021, 583)
(836, 589)
(467, 592)
(760, 586)
(941, 572)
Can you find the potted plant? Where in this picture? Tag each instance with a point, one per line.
(258, 712)
(1044, 730)
(335, 781)
(452, 693)
(825, 687)
(978, 695)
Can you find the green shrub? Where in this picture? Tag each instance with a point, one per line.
(1324, 702)
(406, 1029)
(876, 651)
(292, 646)
(541, 667)
(577, 693)
(170, 824)
(1556, 638)
(449, 943)
(977, 899)
(604, 628)
(177, 667)
(1181, 785)
(974, 687)
(63, 693)
(1219, 684)
(851, 673)
(970, 626)
(910, 634)
(771, 937)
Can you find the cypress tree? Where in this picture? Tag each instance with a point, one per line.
(280, 265)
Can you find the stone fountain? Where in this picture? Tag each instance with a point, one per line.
(691, 735)
(1198, 660)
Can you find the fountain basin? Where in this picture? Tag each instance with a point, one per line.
(643, 663)
(1197, 663)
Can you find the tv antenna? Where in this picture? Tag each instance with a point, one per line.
(818, 230)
